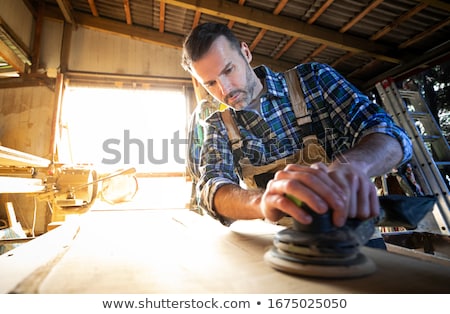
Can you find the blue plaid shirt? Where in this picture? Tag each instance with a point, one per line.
(341, 116)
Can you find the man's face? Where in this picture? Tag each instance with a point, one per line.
(226, 74)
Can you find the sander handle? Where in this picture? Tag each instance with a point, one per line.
(321, 223)
(396, 210)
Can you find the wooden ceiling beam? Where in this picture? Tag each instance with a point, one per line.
(288, 26)
(352, 22)
(319, 12)
(402, 18)
(316, 52)
(342, 58)
(126, 7)
(197, 16)
(66, 9)
(424, 34)
(93, 7)
(280, 6)
(122, 29)
(231, 22)
(311, 20)
(373, 63)
(285, 47)
(162, 15)
(28, 80)
(257, 39)
(359, 16)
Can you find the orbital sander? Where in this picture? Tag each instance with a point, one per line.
(321, 249)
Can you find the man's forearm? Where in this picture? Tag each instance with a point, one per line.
(233, 202)
(375, 154)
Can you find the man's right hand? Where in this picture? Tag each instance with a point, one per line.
(311, 185)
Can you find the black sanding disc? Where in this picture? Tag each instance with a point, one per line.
(358, 265)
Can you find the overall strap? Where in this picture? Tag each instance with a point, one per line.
(234, 136)
(298, 102)
(232, 129)
(296, 96)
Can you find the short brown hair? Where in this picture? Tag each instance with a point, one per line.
(200, 39)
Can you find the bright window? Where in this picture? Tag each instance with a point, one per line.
(116, 128)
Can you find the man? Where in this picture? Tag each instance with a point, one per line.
(358, 138)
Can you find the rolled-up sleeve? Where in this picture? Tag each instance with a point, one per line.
(385, 125)
(352, 113)
(217, 166)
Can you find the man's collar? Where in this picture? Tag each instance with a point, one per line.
(273, 81)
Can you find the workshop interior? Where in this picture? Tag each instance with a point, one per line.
(95, 115)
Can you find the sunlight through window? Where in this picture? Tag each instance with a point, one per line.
(115, 128)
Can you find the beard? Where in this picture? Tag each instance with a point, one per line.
(241, 98)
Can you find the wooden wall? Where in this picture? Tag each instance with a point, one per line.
(26, 116)
(94, 51)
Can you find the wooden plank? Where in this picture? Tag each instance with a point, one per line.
(12, 157)
(21, 185)
(178, 251)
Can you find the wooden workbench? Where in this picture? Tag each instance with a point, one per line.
(179, 251)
